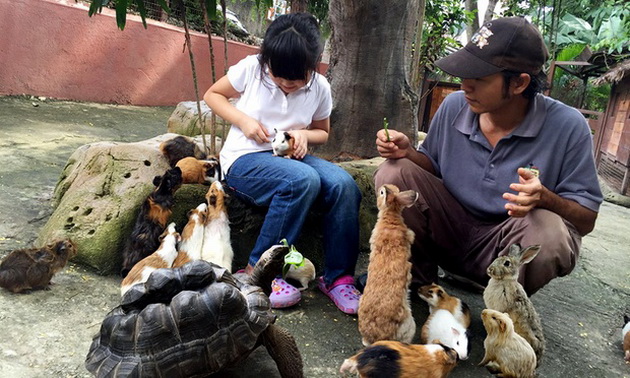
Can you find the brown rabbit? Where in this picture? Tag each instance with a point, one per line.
(396, 359)
(29, 269)
(505, 294)
(506, 352)
(384, 309)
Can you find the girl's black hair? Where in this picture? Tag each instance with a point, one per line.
(537, 84)
(291, 48)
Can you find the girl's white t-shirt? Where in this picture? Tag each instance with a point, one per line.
(265, 102)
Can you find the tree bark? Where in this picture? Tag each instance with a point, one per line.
(369, 73)
(490, 10)
(299, 6)
(471, 6)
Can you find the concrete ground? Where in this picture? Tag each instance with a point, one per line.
(48, 333)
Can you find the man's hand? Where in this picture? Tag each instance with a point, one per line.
(397, 147)
(529, 194)
(254, 130)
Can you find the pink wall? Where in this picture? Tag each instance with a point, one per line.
(53, 49)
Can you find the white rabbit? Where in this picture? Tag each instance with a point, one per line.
(505, 294)
(384, 309)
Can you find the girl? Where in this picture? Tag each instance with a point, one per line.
(279, 90)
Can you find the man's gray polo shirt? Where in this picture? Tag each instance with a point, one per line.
(553, 137)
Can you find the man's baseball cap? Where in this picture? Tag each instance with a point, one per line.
(510, 43)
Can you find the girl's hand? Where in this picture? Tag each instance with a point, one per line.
(254, 130)
(529, 194)
(394, 148)
(300, 143)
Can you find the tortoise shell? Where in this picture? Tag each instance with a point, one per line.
(183, 322)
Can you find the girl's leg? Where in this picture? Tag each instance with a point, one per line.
(287, 187)
(339, 200)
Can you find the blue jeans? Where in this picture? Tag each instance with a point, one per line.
(289, 188)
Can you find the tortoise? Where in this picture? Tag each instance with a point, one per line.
(192, 321)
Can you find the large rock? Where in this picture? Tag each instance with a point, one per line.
(103, 185)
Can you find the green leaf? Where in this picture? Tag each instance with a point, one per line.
(143, 12)
(164, 6)
(211, 9)
(121, 13)
(96, 6)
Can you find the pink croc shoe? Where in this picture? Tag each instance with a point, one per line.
(343, 293)
(283, 294)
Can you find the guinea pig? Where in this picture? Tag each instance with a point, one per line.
(29, 269)
(180, 147)
(303, 274)
(389, 358)
(625, 334)
(438, 298)
(195, 171)
(283, 144)
(506, 352)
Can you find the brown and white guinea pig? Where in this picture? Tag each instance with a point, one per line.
(506, 352)
(192, 236)
(29, 269)
(283, 144)
(195, 171)
(401, 360)
(442, 327)
(162, 258)
(217, 246)
(625, 335)
(180, 147)
(303, 274)
(438, 298)
(384, 310)
(151, 219)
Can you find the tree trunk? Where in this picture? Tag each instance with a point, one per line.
(490, 10)
(369, 73)
(471, 6)
(299, 6)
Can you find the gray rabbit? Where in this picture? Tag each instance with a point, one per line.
(505, 294)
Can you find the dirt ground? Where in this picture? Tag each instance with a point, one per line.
(48, 333)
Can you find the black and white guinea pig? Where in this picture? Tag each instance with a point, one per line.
(283, 144)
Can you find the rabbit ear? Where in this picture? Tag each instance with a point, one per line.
(529, 253)
(407, 198)
(515, 250)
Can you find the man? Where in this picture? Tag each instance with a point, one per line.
(501, 164)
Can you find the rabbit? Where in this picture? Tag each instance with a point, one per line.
(402, 360)
(283, 144)
(195, 171)
(506, 352)
(303, 274)
(504, 293)
(163, 257)
(24, 270)
(217, 246)
(384, 308)
(438, 298)
(191, 243)
(442, 327)
(625, 334)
